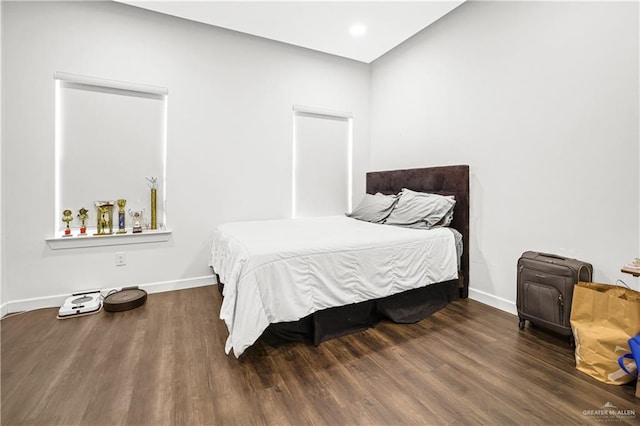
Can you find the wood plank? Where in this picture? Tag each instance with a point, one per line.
(164, 363)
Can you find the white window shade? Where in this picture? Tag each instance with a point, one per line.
(110, 136)
(322, 164)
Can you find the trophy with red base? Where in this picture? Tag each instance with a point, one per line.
(83, 214)
(67, 216)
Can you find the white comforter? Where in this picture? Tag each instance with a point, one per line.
(284, 270)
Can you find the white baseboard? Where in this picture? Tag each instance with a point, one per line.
(57, 300)
(494, 301)
(160, 287)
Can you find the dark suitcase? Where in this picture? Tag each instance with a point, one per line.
(545, 289)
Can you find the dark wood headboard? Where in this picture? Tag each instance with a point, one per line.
(448, 180)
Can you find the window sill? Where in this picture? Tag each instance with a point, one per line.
(89, 240)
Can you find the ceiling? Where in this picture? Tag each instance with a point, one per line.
(319, 25)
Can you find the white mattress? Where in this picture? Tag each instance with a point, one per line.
(284, 270)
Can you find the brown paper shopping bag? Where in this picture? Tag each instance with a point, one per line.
(603, 318)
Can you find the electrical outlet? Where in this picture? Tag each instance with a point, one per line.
(121, 258)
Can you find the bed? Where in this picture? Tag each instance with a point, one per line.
(318, 278)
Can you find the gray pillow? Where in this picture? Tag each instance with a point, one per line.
(447, 219)
(421, 210)
(374, 208)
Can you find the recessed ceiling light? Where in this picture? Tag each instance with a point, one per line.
(358, 30)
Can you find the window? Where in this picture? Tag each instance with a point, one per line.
(110, 137)
(322, 162)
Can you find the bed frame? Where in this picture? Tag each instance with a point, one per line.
(445, 180)
(407, 307)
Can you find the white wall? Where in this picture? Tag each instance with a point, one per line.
(3, 305)
(541, 100)
(229, 135)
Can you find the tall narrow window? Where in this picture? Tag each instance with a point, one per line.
(110, 137)
(322, 160)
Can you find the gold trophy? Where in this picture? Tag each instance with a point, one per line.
(105, 217)
(83, 214)
(67, 216)
(121, 204)
(154, 183)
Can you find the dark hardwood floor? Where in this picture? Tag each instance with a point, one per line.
(164, 364)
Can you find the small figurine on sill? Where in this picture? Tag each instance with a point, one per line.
(67, 216)
(153, 184)
(137, 216)
(105, 224)
(83, 214)
(121, 203)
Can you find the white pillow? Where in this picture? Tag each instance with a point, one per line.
(421, 210)
(374, 208)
